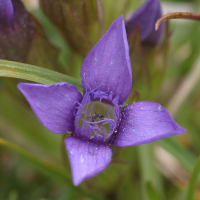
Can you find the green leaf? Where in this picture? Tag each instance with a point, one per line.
(35, 74)
(152, 194)
(193, 182)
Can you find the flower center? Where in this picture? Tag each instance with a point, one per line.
(97, 120)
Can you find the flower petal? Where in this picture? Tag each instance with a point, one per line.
(54, 105)
(107, 66)
(6, 13)
(145, 122)
(87, 158)
(146, 17)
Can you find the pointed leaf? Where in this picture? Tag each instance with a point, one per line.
(36, 74)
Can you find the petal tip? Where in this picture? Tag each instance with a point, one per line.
(145, 122)
(182, 130)
(87, 159)
(53, 105)
(107, 67)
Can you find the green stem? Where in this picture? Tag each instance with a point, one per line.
(34, 73)
(193, 182)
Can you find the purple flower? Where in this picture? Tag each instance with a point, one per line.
(6, 13)
(16, 31)
(145, 17)
(97, 119)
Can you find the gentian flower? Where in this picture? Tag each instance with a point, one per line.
(16, 31)
(98, 119)
(145, 17)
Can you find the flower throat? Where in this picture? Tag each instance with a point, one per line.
(97, 120)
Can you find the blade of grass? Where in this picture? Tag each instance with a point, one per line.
(34, 73)
(152, 194)
(193, 182)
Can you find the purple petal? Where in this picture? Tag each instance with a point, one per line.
(107, 66)
(146, 17)
(145, 122)
(87, 158)
(54, 105)
(6, 13)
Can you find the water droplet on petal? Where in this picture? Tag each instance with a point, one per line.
(160, 108)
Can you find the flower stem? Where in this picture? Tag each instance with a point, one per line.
(177, 15)
(193, 182)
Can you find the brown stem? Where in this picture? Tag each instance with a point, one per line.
(177, 15)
